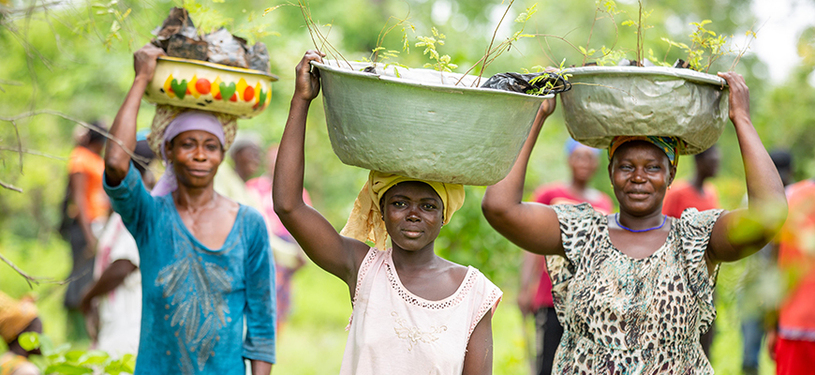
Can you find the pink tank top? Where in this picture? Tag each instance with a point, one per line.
(393, 331)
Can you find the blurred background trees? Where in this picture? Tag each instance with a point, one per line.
(62, 61)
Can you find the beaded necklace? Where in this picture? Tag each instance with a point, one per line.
(617, 219)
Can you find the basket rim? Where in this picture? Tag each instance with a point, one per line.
(222, 67)
(372, 76)
(687, 74)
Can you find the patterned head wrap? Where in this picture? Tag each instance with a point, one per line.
(365, 222)
(15, 316)
(668, 145)
(171, 121)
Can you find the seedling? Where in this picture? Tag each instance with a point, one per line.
(429, 43)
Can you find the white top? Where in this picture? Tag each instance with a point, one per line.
(393, 331)
(120, 309)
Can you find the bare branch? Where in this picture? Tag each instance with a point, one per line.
(10, 187)
(9, 83)
(489, 47)
(34, 152)
(84, 124)
(28, 278)
(37, 279)
(43, 6)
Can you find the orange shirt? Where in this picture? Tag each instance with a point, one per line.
(796, 255)
(683, 195)
(92, 166)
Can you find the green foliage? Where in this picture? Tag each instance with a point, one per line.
(705, 48)
(117, 19)
(206, 18)
(561, 73)
(64, 61)
(429, 43)
(67, 361)
(388, 54)
(704, 43)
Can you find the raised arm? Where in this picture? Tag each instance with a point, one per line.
(334, 253)
(117, 161)
(532, 226)
(767, 205)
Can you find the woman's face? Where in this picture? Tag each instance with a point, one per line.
(640, 174)
(583, 162)
(413, 214)
(195, 155)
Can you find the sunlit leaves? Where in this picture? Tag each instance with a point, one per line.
(67, 361)
(527, 14)
(442, 63)
(29, 341)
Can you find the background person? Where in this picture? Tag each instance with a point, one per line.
(535, 296)
(231, 179)
(755, 302)
(89, 207)
(635, 289)
(288, 256)
(205, 259)
(114, 322)
(700, 194)
(792, 341)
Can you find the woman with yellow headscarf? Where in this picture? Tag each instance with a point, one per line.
(634, 289)
(414, 312)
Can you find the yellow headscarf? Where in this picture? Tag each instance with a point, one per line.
(365, 222)
(15, 316)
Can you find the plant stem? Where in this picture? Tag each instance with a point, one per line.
(639, 35)
(591, 32)
(489, 48)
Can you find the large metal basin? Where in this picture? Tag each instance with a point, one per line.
(418, 124)
(608, 101)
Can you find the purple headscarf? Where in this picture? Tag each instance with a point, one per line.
(185, 121)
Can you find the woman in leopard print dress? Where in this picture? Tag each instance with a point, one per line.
(634, 289)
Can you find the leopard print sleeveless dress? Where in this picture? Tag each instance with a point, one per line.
(632, 316)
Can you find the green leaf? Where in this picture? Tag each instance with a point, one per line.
(67, 369)
(46, 345)
(29, 340)
(74, 355)
(94, 357)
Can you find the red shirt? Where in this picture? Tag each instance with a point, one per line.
(796, 255)
(683, 195)
(560, 194)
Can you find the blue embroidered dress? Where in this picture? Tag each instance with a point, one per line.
(194, 298)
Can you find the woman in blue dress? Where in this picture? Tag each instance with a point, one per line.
(205, 260)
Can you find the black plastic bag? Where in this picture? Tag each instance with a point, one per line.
(529, 83)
